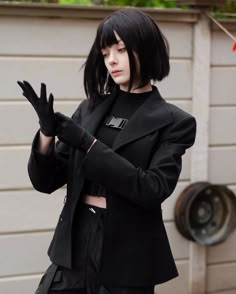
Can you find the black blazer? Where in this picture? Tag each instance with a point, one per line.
(139, 172)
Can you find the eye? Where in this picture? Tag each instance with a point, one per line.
(104, 54)
(123, 49)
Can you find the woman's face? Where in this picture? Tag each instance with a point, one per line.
(117, 63)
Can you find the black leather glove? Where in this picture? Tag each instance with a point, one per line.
(42, 106)
(71, 133)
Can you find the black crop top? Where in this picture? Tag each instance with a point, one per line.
(116, 119)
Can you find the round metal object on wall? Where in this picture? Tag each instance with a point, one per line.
(206, 213)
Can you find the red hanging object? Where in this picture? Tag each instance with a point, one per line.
(223, 29)
(234, 46)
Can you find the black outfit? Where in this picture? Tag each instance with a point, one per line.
(139, 172)
(124, 107)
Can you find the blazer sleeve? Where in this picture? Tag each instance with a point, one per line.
(48, 172)
(146, 188)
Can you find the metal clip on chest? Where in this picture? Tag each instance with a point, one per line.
(116, 122)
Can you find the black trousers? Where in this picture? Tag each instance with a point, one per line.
(88, 233)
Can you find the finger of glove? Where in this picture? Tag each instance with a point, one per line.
(50, 102)
(21, 85)
(25, 93)
(43, 93)
(23, 88)
(29, 90)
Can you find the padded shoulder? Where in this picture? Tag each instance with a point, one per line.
(177, 113)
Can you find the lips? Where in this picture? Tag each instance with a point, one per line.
(116, 72)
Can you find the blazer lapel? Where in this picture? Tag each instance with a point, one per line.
(152, 115)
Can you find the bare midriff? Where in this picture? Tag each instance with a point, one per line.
(95, 200)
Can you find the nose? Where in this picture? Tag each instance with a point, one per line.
(112, 59)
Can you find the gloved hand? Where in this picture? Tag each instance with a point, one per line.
(71, 133)
(42, 106)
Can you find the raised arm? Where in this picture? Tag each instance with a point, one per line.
(47, 165)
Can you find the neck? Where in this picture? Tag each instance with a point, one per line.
(146, 88)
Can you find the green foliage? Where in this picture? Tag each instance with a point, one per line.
(141, 3)
(229, 9)
(138, 3)
(81, 2)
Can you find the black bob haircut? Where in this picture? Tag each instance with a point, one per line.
(141, 35)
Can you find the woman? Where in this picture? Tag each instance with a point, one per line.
(120, 156)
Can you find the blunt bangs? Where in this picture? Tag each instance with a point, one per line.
(106, 36)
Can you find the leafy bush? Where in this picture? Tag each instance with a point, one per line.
(141, 3)
(81, 2)
(229, 7)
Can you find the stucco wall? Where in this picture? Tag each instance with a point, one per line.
(50, 44)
